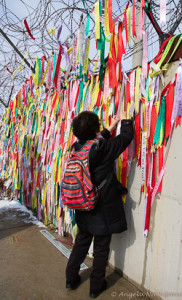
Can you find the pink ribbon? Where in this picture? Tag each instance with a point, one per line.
(140, 22)
(74, 52)
(158, 183)
(145, 54)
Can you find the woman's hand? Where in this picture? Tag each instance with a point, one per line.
(122, 115)
(114, 122)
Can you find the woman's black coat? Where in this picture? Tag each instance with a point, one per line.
(108, 216)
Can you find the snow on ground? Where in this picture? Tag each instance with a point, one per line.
(6, 204)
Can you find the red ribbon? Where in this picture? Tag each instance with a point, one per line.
(133, 27)
(160, 53)
(76, 98)
(69, 100)
(9, 70)
(160, 159)
(38, 180)
(121, 48)
(42, 70)
(62, 133)
(154, 23)
(17, 97)
(31, 93)
(168, 112)
(98, 98)
(148, 209)
(28, 29)
(178, 121)
(120, 74)
(54, 102)
(137, 134)
(57, 67)
(110, 15)
(116, 100)
(60, 103)
(124, 168)
(110, 72)
(126, 26)
(154, 171)
(128, 100)
(23, 93)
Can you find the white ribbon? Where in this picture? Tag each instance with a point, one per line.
(163, 11)
(143, 158)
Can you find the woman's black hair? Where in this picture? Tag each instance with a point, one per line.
(86, 125)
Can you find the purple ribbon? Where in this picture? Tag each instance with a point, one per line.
(58, 33)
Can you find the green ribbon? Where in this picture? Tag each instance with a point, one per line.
(40, 69)
(100, 8)
(35, 153)
(58, 193)
(147, 88)
(101, 76)
(101, 46)
(73, 220)
(57, 110)
(160, 122)
(54, 66)
(174, 50)
(33, 125)
(166, 51)
(86, 77)
(83, 3)
(147, 8)
(96, 110)
(13, 185)
(88, 24)
(36, 127)
(169, 44)
(85, 93)
(80, 72)
(80, 97)
(24, 142)
(59, 156)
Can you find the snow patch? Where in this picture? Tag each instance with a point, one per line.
(14, 204)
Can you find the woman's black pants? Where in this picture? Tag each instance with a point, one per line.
(79, 252)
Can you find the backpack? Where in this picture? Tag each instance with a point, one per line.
(77, 189)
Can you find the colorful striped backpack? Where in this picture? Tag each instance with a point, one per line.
(77, 189)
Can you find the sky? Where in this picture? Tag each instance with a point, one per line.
(17, 33)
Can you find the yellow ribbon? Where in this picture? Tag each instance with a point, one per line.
(51, 30)
(14, 73)
(138, 73)
(97, 21)
(107, 114)
(129, 24)
(43, 78)
(86, 57)
(44, 194)
(106, 21)
(23, 61)
(70, 50)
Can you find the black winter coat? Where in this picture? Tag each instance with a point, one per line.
(108, 216)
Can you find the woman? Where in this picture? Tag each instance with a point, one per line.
(108, 216)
